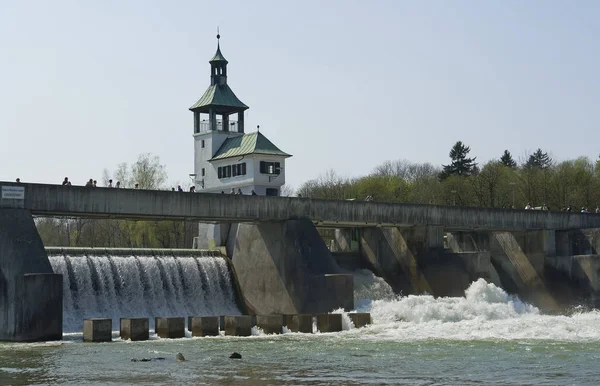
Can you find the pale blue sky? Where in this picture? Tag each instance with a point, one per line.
(344, 85)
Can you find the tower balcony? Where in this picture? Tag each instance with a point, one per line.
(232, 126)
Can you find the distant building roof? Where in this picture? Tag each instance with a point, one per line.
(218, 96)
(251, 143)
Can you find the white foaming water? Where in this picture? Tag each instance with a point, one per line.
(142, 286)
(485, 312)
(369, 287)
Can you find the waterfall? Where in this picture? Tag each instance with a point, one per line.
(116, 284)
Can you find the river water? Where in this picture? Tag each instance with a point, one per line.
(485, 337)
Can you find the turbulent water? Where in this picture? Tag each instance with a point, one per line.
(142, 286)
(485, 337)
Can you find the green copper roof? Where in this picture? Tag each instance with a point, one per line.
(252, 143)
(218, 96)
(218, 56)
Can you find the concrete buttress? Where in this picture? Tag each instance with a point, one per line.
(284, 267)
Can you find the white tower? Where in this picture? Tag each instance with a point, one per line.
(226, 158)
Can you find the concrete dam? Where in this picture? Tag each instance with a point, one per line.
(272, 260)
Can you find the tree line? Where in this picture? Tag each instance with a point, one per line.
(499, 183)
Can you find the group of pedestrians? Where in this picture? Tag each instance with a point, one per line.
(239, 191)
(566, 209)
(92, 183)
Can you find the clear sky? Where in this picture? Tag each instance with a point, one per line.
(343, 85)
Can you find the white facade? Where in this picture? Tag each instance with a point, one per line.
(206, 144)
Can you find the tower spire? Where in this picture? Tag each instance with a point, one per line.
(218, 58)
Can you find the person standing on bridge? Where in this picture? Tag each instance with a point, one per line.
(239, 191)
(109, 184)
(179, 188)
(65, 181)
(90, 183)
(118, 185)
(232, 191)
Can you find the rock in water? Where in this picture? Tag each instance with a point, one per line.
(179, 357)
(235, 355)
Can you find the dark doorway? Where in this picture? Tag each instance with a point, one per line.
(272, 192)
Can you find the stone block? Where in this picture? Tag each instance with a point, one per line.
(360, 319)
(97, 330)
(329, 322)
(270, 324)
(239, 325)
(135, 328)
(170, 328)
(299, 323)
(205, 326)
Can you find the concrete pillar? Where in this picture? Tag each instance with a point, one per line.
(563, 244)
(284, 267)
(299, 323)
(135, 328)
(342, 241)
(329, 322)
(519, 258)
(31, 294)
(360, 319)
(170, 328)
(239, 325)
(270, 324)
(205, 326)
(97, 330)
(212, 235)
(394, 254)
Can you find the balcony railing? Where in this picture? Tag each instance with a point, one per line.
(232, 125)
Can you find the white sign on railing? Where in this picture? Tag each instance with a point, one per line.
(13, 192)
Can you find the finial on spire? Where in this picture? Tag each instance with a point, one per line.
(218, 35)
(258, 128)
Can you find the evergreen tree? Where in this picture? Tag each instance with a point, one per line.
(539, 160)
(461, 165)
(507, 160)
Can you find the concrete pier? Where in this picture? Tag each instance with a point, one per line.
(270, 324)
(285, 267)
(329, 322)
(97, 330)
(299, 323)
(31, 294)
(135, 328)
(205, 326)
(360, 319)
(239, 325)
(170, 328)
